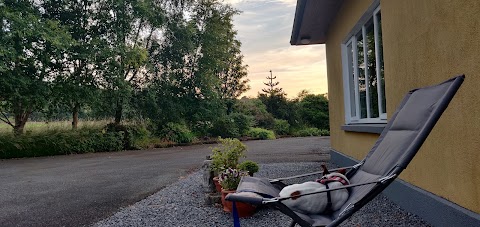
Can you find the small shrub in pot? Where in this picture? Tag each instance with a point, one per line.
(249, 166)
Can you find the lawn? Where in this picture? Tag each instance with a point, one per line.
(33, 126)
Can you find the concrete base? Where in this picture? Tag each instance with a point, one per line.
(431, 208)
(213, 198)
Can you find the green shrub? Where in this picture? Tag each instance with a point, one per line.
(314, 110)
(242, 122)
(249, 166)
(281, 127)
(56, 142)
(324, 132)
(260, 133)
(265, 121)
(308, 132)
(202, 128)
(254, 107)
(135, 135)
(178, 133)
(312, 132)
(227, 154)
(225, 127)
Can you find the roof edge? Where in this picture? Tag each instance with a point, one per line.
(298, 19)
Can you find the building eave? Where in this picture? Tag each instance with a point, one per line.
(312, 21)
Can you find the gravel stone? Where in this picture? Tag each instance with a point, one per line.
(183, 204)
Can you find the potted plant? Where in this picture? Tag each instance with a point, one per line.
(225, 156)
(229, 180)
(249, 166)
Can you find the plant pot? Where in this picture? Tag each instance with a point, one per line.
(243, 209)
(218, 187)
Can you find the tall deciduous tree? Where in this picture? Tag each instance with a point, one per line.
(76, 85)
(220, 51)
(33, 51)
(120, 23)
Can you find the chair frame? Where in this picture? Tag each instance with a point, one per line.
(381, 183)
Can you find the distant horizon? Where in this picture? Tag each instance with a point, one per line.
(264, 27)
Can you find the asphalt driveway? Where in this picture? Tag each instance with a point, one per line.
(79, 190)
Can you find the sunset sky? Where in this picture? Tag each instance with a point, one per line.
(264, 28)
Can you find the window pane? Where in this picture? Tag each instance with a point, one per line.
(380, 57)
(361, 77)
(351, 80)
(364, 73)
(372, 70)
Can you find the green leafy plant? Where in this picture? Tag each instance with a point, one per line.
(249, 166)
(58, 142)
(230, 178)
(202, 128)
(178, 133)
(281, 127)
(225, 127)
(242, 122)
(260, 133)
(312, 132)
(227, 154)
(307, 132)
(324, 132)
(135, 135)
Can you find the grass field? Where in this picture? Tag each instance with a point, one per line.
(33, 127)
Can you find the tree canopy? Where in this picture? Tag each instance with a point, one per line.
(165, 60)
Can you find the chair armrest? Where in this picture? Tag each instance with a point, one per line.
(245, 199)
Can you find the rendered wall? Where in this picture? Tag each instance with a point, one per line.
(353, 144)
(425, 42)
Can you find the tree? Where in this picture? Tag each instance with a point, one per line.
(174, 61)
(220, 51)
(121, 23)
(174, 83)
(76, 85)
(275, 99)
(271, 89)
(32, 50)
(314, 110)
(199, 64)
(255, 107)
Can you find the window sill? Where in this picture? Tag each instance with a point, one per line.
(368, 128)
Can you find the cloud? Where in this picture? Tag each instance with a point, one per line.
(264, 28)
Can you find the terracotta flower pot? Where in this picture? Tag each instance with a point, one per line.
(243, 209)
(218, 187)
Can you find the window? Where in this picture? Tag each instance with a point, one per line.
(363, 74)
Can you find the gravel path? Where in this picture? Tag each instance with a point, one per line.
(182, 204)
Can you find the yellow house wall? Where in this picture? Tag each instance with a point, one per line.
(353, 144)
(425, 42)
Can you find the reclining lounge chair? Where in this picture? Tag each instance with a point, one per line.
(402, 137)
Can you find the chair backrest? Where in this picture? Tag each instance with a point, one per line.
(402, 137)
(409, 127)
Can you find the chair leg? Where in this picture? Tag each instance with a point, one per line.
(293, 223)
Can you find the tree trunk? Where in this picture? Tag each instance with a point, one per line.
(75, 111)
(118, 113)
(19, 127)
(230, 104)
(21, 118)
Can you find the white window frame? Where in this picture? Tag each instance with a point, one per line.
(346, 65)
